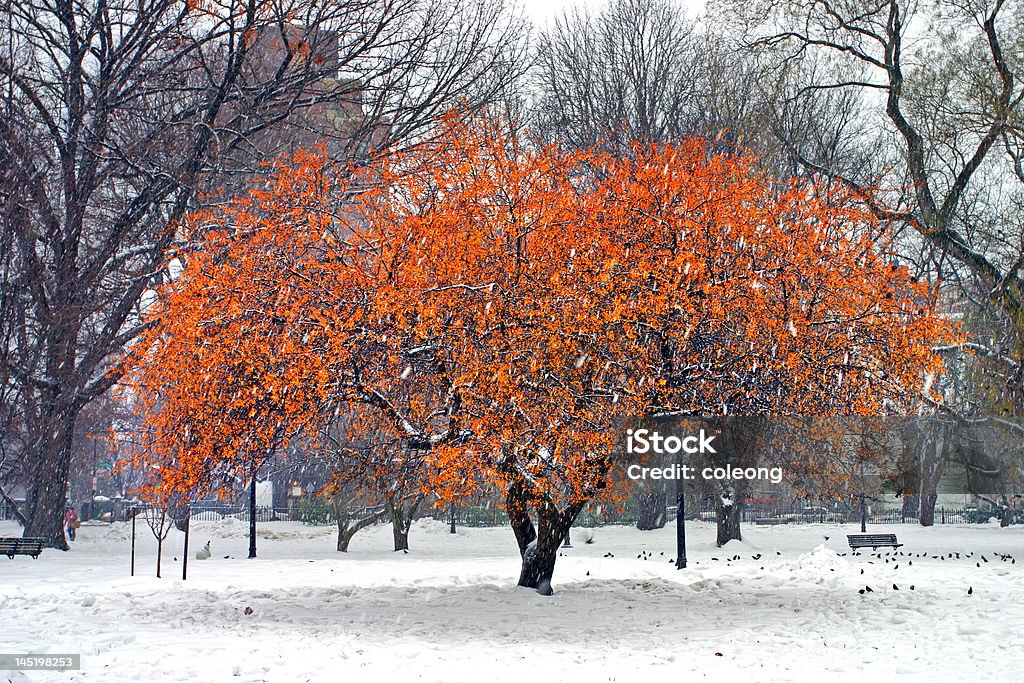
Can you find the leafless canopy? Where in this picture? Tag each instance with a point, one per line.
(946, 83)
(116, 114)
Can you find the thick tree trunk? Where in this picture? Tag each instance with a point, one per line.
(935, 446)
(519, 518)
(347, 533)
(539, 556)
(910, 479)
(401, 535)
(652, 510)
(348, 527)
(538, 546)
(47, 495)
(539, 562)
(928, 499)
(727, 513)
(345, 537)
(401, 520)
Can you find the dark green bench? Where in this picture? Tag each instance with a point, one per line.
(21, 546)
(873, 541)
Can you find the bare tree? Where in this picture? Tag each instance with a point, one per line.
(160, 524)
(643, 71)
(942, 84)
(624, 74)
(117, 115)
(941, 106)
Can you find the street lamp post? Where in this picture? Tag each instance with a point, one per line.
(252, 513)
(680, 524)
(134, 513)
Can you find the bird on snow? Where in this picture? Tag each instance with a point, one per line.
(204, 552)
(970, 591)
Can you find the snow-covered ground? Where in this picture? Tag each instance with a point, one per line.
(449, 609)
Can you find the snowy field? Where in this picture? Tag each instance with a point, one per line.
(449, 609)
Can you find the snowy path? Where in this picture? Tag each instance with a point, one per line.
(449, 611)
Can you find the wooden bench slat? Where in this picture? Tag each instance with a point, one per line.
(873, 541)
(11, 546)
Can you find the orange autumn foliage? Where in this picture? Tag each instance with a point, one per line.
(501, 309)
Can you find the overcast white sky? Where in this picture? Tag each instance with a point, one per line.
(541, 11)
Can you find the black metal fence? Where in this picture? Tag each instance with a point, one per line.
(492, 515)
(214, 513)
(822, 516)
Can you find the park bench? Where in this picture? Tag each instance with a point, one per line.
(21, 546)
(770, 520)
(873, 541)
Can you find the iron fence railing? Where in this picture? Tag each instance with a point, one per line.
(493, 516)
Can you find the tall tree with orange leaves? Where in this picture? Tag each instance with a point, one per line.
(505, 308)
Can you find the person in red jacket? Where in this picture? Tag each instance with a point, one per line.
(71, 522)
